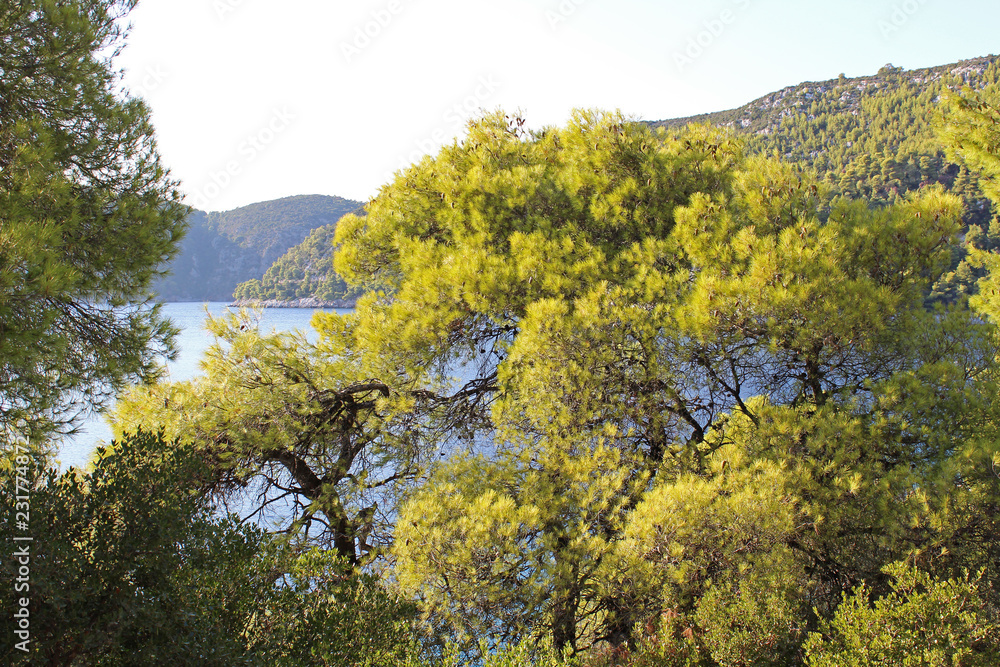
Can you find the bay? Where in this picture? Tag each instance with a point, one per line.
(192, 342)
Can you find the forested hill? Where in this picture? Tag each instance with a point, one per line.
(859, 122)
(872, 137)
(223, 249)
(304, 272)
(869, 137)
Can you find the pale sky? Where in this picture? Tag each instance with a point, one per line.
(259, 99)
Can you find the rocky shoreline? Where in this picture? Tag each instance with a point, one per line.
(308, 302)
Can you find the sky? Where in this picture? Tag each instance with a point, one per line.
(255, 100)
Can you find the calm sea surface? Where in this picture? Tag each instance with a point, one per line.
(191, 344)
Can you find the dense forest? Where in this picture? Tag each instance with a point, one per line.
(873, 138)
(221, 250)
(612, 395)
(305, 271)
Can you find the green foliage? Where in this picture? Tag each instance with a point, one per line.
(755, 622)
(328, 614)
(717, 555)
(130, 566)
(968, 128)
(87, 217)
(522, 654)
(281, 421)
(500, 550)
(874, 138)
(698, 399)
(263, 225)
(698, 380)
(127, 566)
(667, 643)
(923, 621)
(305, 271)
(225, 249)
(868, 136)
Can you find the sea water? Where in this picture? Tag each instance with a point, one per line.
(192, 342)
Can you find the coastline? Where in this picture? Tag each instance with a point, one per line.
(307, 302)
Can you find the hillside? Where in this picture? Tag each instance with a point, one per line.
(223, 249)
(868, 137)
(305, 271)
(872, 137)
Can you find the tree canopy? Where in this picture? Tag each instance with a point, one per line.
(612, 388)
(88, 216)
(304, 271)
(132, 564)
(873, 137)
(968, 126)
(298, 434)
(660, 319)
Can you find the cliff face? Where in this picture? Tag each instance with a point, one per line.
(222, 250)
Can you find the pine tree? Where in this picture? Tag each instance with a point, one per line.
(87, 217)
(686, 378)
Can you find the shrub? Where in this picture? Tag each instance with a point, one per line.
(923, 621)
